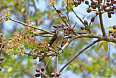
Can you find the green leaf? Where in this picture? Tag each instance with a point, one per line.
(105, 45)
(112, 43)
(110, 28)
(52, 4)
(99, 45)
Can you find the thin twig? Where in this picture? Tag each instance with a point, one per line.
(30, 26)
(67, 10)
(78, 17)
(57, 62)
(60, 16)
(100, 17)
(78, 54)
(82, 21)
(47, 62)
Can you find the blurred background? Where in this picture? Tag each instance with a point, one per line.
(90, 63)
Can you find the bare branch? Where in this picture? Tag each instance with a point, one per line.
(60, 16)
(82, 21)
(78, 54)
(100, 17)
(30, 26)
(47, 62)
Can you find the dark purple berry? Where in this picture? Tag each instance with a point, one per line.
(37, 75)
(97, 12)
(82, 28)
(92, 3)
(58, 10)
(71, 28)
(108, 0)
(63, 16)
(110, 31)
(75, 2)
(34, 57)
(0, 62)
(37, 70)
(42, 69)
(2, 58)
(57, 74)
(94, 7)
(45, 76)
(87, 2)
(62, 25)
(79, 2)
(92, 19)
(65, 28)
(66, 32)
(108, 3)
(85, 22)
(52, 74)
(104, 6)
(89, 10)
(114, 27)
(0, 68)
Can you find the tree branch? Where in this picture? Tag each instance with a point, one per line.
(60, 16)
(78, 54)
(82, 21)
(100, 17)
(30, 26)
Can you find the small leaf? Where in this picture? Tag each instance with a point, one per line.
(105, 45)
(99, 45)
(35, 26)
(110, 28)
(112, 43)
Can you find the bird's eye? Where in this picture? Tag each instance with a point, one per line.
(59, 26)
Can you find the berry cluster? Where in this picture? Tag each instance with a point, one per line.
(67, 30)
(113, 33)
(57, 74)
(40, 73)
(106, 7)
(1, 59)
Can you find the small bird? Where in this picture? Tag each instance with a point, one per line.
(57, 38)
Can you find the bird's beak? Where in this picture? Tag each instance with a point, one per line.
(55, 26)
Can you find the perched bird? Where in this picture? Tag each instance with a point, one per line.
(57, 38)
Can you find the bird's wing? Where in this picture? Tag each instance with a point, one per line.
(53, 39)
